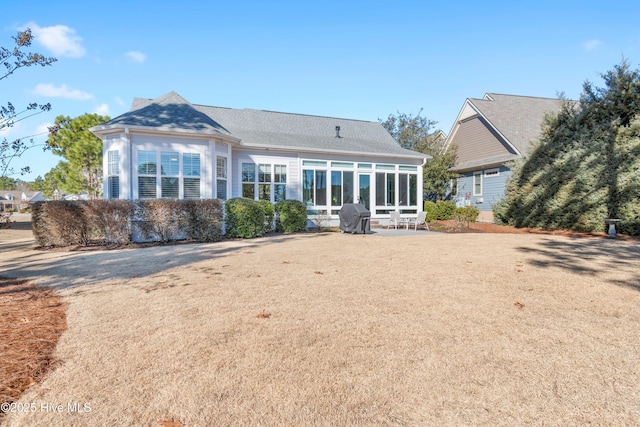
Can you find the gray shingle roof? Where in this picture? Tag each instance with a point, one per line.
(171, 112)
(263, 129)
(517, 118)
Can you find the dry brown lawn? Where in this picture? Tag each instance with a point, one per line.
(335, 329)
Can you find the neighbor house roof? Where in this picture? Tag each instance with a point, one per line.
(513, 121)
(260, 129)
(19, 195)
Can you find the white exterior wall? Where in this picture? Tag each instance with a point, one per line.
(294, 162)
(128, 146)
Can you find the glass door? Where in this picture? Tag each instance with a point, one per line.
(364, 189)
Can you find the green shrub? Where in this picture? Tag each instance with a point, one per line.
(244, 218)
(444, 210)
(158, 219)
(431, 211)
(501, 212)
(201, 220)
(630, 214)
(292, 216)
(269, 213)
(466, 214)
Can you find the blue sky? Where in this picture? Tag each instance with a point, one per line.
(351, 59)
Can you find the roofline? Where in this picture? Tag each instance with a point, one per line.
(485, 163)
(417, 156)
(102, 130)
(284, 112)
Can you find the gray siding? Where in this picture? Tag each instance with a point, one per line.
(492, 188)
(475, 140)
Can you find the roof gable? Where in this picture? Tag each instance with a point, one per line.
(513, 121)
(518, 118)
(168, 112)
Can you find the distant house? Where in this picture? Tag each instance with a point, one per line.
(489, 133)
(169, 148)
(16, 199)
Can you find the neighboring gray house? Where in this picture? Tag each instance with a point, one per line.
(489, 133)
(18, 199)
(170, 148)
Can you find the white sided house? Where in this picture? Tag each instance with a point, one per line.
(169, 148)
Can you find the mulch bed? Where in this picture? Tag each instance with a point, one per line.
(31, 322)
(486, 227)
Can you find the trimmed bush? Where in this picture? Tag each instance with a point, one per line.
(244, 218)
(39, 226)
(431, 211)
(158, 219)
(466, 214)
(269, 213)
(444, 210)
(292, 216)
(110, 219)
(201, 220)
(60, 223)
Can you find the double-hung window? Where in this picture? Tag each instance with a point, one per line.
(221, 178)
(191, 173)
(477, 183)
(113, 174)
(170, 175)
(264, 182)
(147, 170)
(280, 182)
(249, 180)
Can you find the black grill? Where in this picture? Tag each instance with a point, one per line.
(354, 218)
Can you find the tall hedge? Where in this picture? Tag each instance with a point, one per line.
(69, 223)
(110, 219)
(201, 220)
(60, 223)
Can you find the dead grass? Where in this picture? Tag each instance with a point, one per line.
(31, 321)
(335, 329)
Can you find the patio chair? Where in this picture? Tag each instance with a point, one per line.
(420, 220)
(394, 219)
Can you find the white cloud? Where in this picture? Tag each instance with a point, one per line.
(22, 130)
(135, 56)
(63, 91)
(102, 109)
(59, 39)
(591, 45)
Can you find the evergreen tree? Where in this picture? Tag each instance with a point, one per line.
(82, 150)
(586, 166)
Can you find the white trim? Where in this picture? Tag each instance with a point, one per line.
(473, 183)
